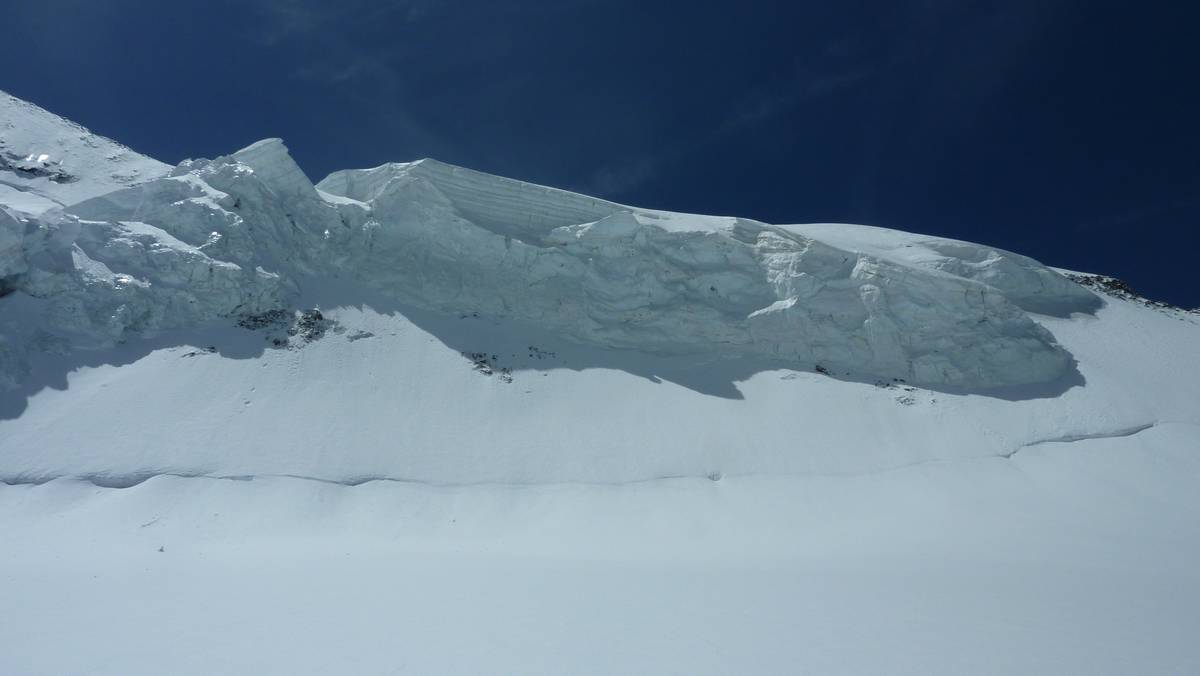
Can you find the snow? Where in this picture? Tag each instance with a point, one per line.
(1026, 283)
(57, 162)
(455, 241)
(1067, 559)
(570, 414)
(26, 203)
(522, 435)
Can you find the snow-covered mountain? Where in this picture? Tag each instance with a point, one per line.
(248, 233)
(466, 371)
(47, 161)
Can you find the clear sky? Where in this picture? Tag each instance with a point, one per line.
(1065, 130)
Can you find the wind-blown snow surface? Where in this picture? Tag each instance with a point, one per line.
(47, 161)
(529, 431)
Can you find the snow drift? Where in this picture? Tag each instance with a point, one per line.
(215, 240)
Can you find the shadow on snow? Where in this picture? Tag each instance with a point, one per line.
(506, 346)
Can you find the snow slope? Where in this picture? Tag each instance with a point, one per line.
(47, 161)
(422, 419)
(388, 393)
(1070, 558)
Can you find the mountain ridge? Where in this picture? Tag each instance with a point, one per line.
(238, 277)
(927, 311)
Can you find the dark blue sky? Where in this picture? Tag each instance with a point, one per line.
(1063, 130)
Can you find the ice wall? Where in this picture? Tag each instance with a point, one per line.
(245, 232)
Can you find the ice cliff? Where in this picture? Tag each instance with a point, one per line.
(213, 240)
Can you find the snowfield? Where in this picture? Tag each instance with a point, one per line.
(391, 392)
(421, 419)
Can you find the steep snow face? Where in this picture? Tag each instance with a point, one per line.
(1022, 280)
(608, 274)
(79, 281)
(12, 239)
(270, 160)
(249, 232)
(241, 233)
(502, 205)
(47, 161)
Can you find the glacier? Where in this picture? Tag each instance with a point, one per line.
(215, 240)
(422, 419)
